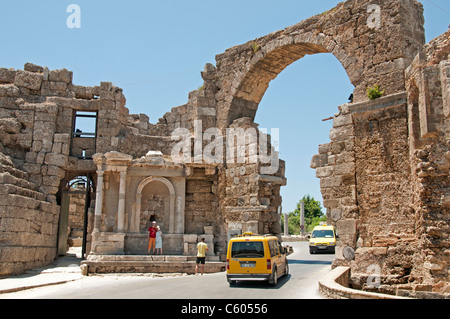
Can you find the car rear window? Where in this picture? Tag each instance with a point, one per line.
(247, 249)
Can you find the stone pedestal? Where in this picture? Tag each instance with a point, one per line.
(108, 243)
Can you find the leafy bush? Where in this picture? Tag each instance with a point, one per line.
(374, 92)
(255, 47)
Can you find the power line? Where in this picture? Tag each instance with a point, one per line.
(434, 4)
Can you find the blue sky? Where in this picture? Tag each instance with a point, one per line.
(155, 51)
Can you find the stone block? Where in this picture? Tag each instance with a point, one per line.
(33, 68)
(28, 80)
(10, 125)
(51, 181)
(176, 258)
(341, 133)
(62, 75)
(324, 171)
(58, 86)
(319, 160)
(7, 75)
(345, 169)
(324, 148)
(190, 238)
(336, 214)
(61, 138)
(346, 227)
(332, 181)
(342, 120)
(9, 90)
(48, 107)
(56, 159)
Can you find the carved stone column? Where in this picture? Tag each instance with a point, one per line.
(98, 201)
(121, 207)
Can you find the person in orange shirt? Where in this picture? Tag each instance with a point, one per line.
(151, 237)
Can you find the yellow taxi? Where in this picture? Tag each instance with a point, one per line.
(323, 239)
(256, 257)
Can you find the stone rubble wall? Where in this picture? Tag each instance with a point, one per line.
(37, 108)
(429, 77)
(385, 182)
(28, 223)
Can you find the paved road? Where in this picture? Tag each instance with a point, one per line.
(305, 270)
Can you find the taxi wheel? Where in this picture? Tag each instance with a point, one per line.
(274, 280)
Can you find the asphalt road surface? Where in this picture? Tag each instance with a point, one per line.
(302, 283)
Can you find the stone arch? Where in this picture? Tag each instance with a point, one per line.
(138, 202)
(265, 67)
(150, 179)
(370, 54)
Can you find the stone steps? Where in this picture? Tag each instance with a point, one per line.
(147, 258)
(148, 264)
(6, 188)
(8, 178)
(29, 221)
(17, 173)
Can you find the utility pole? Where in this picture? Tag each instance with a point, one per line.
(302, 218)
(286, 224)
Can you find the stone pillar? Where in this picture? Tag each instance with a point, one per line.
(172, 214)
(98, 201)
(121, 208)
(137, 214)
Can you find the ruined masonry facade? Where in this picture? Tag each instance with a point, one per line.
(384, 175)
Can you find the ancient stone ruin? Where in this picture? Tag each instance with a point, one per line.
(206, 170)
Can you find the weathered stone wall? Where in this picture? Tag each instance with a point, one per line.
(386, 216)
(37, 109)
(428, 80)
(28, 223)
(201, 203)
(398, 160)
(76, 210)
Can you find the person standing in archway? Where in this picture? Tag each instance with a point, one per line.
(152, 237)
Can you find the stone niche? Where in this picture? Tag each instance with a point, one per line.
(131, 194)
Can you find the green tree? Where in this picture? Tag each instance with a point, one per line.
(313, 215)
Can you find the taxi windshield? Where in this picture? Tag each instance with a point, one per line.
(250, 249)
(322, 234)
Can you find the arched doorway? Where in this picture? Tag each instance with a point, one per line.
(77, 194)
(155, 206)
(155, 201)
(305, 96)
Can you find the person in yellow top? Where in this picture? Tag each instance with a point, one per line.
(202, 248)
